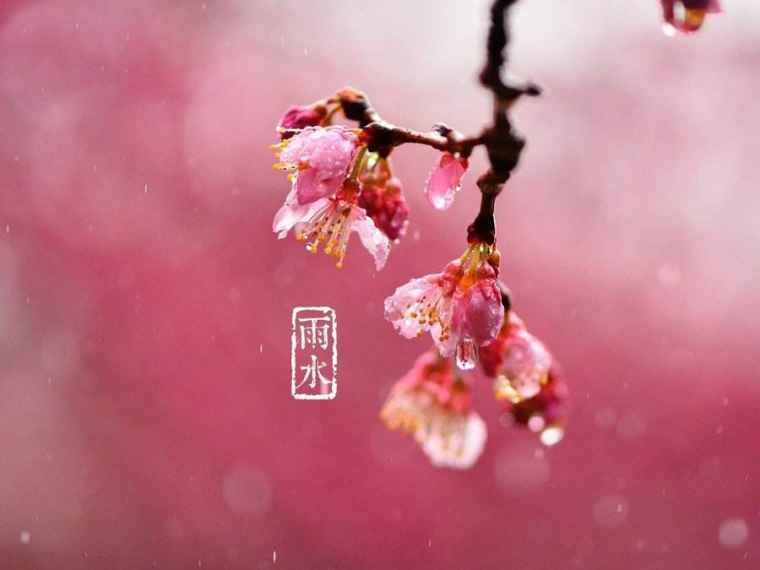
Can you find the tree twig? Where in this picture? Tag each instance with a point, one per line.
(503, 144)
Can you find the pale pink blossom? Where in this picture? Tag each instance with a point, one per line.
(460, 307)
(546, 412)
(318, 160)
(445, 180)
(434, 405)
(518, 361)
(329, 222)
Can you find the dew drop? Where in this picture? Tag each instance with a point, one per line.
(552, 435)
(467, 355)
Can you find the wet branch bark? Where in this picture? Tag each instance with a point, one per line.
(502, 143)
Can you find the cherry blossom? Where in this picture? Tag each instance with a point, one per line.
(317, 160)
(434, 405)
(383, 198)
(545, 413)
(517, 360)
(460, 307)
(329, 222)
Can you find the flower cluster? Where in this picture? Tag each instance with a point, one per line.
(322, 206)
(339, 185)
(433, 400)
(342, 182)
(526, 380)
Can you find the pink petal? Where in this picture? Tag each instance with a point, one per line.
(526, 363)
(447, 346)
(375, 241)
(292, 213)
(310, 186)
(320, 157)
(300, 117)
(406, 297)
(445, 180)
(418, 372)
(478, 313)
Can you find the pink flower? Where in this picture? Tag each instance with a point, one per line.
(445, 180)
(330, 222)
(300, 117)
(386, 205)
(687, 16)
(388, 209)
(518, 361)
(546, 412)
(318, 160)
(460, 307)
(434, 405)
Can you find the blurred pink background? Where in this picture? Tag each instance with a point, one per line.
(145, 304)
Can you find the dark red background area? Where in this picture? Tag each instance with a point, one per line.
(145, 305)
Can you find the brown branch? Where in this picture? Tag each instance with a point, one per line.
(506, 301)
(383, 137)
(503, 144)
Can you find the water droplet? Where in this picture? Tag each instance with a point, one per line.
(552, 435)
(467, 355)
(25, 536)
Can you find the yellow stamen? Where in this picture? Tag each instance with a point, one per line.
(503, 390)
